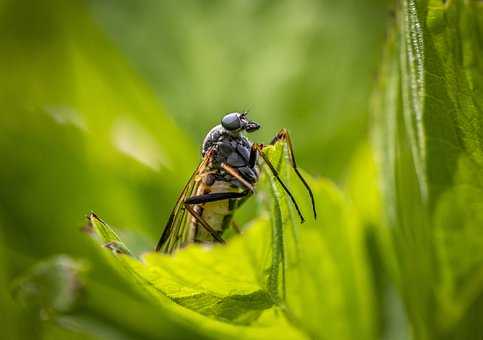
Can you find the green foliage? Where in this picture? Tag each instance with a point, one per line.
(82, 130)
(429, 123)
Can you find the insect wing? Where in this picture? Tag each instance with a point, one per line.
(176, 233)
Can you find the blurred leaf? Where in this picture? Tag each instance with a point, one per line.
(16, 323)
(62, 84)
(71, 304)
(52, 286)
(362, 186)
(54, 332)
(430, 149)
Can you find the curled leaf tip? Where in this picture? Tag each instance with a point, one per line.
(117, 247)
(91, 215)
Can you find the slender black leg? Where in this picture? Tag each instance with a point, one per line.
(217, 196)
(283, 135)
(276, 175)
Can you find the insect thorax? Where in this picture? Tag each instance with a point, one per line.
(232, 149)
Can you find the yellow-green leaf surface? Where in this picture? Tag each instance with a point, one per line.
(430, 150)
(219, 282)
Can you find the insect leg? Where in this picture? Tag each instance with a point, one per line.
(258, 147)
(216, 196)
(213, 197)
(204, 223)
(232, 171)
(283, 135)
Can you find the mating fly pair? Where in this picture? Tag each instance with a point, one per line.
(224, 179)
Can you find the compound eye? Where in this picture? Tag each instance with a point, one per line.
(231, 121)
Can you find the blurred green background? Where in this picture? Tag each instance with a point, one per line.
(105, 104)
(306, 65)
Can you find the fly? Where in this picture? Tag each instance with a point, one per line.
(224, 179)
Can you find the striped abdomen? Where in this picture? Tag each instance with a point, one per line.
(217, 214)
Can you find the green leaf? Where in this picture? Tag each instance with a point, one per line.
(324, 270)
(428, 111)
(221, 281)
